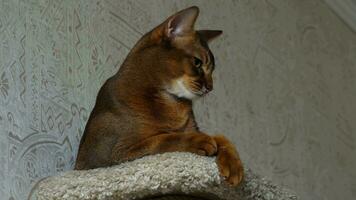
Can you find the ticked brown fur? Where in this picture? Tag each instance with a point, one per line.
(146, 108)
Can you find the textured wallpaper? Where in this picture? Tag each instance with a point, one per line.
(285, 85)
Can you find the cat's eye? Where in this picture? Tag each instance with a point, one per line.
(197, 62)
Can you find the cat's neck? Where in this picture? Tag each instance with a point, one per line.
(170, 98)
(145, 94)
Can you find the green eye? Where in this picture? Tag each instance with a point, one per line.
(197, 62)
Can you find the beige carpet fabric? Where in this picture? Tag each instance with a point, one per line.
(162, 174)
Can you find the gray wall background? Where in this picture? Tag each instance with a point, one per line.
(285, 85)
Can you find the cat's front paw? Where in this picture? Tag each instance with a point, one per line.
(230, 165)
(202, 144)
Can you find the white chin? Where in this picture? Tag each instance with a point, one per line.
(178, 89)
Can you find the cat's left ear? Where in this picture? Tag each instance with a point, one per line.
(209, 35)
(181, 23)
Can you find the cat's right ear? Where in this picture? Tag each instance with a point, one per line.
(181, 23)
(209, 35)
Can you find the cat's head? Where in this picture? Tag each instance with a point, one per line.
(186, 62)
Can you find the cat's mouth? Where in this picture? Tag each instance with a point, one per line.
(181, 90)
(201, 92)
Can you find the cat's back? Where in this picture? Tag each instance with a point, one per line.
(110, 121)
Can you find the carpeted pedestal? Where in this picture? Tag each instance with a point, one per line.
(168, 176)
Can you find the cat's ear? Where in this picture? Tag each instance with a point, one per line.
(209, 35)
(182, 22)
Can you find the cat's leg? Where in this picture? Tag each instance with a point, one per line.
(199, 143)
(228, 160)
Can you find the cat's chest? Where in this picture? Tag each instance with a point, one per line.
(174, 115)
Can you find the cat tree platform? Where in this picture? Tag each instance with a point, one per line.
(169, 176)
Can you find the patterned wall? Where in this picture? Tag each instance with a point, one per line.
(285, 87)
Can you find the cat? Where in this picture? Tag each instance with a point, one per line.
(146, 107)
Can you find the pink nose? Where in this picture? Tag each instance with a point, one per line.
(207, 89)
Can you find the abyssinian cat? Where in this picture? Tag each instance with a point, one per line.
(146, 108)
